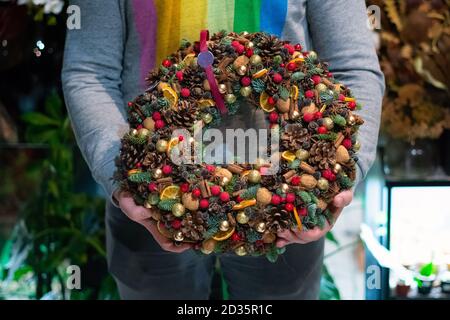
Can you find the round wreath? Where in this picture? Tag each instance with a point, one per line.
(235, 207)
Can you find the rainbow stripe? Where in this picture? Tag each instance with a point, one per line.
(162, 24)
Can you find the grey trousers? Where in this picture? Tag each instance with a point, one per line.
(144, 271)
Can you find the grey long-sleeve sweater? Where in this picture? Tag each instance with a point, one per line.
(106, 59)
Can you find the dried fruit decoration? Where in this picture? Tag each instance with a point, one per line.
(236, 207)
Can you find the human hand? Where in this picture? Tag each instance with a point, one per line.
(142, 216)
(339, 202)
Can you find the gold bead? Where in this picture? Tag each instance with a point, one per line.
(230, 98)
(261, 227)
(255, 59)
(250, 44)
(312, 55)
(254, 176)
(242, 217)
(224, 181)
(207, 118)
(143, 132)
(245, 91)
(295, 115)
(321, 87)
(302, 154)
(208, 246)
(178, 236)
(240, 251)
(357, 145)
(133, 132)
(224, 225)
(337, 168)
(284, 187)
(244, 33)
(149, 124)
(161, 145)
(322, 184)
(242, 70)
(351, 120)
(157, 173)
(259, 163)
(328, 123)
(178, 210)
(222, 88)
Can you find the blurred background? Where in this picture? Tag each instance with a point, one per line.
(393, 242)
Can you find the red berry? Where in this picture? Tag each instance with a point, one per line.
(130, 104)
(185, 92)
(152, 187)
(282, 65)
(215, 190)
(204, 203)
(341, 97)
(138, 165)
(235, 43)
(166, 63)
(290, 48)
(291, 66)
(159, 124)
(224, 196)
(180, 138)
(246, 81)
(289, 207)
(316, 79)
(318, 115)
(156, 116)
(239, 199)
(276, 200)
(273, 117)
(329, 75)
(249, 52)
(239, 49)
(259, 243)
(302, 212)
(322, 130)
(271, 101)
(210, 168)
(308, 117)
(352, 105)
(196, 193)
(176, 224)
(298, 47)
(290, 197)
(235, 237)
(295, 181)
(283, 199)
(179, 75)
(347, 143)
(167, 169)
(139, 126)
(184, 187)
(329, 175)
(309, 94)
(277, 78)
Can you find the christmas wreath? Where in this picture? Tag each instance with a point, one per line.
(236, 207)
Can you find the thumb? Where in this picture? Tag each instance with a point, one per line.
(343, 199)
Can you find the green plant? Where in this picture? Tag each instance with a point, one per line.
(60, 226)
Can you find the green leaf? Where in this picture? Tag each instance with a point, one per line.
(39, 119)
(328, 288)
(140, 177)
(428, 269)
(339, 120)
(330, 236)
(167, 204)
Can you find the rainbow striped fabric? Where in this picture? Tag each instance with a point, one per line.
(162, 24)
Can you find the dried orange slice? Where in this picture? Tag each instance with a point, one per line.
(294, 92)
(172, 143)
(206, 103)
(264, 103)
(133, 171)
(288, 156)
(297, 218)
(297, 60)
(166, 233)
(170, 192)
(244, 204)
(187, 61)
(223, 235)
(349, 99)
(261, 73)
(171, 96)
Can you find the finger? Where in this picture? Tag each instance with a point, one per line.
(165, 243)
(343, 199)
(287, 235)
(134, 212)
(314, 234)
(280, 243)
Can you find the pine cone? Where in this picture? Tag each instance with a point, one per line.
(131, 155)
(270, 45)
(294, 137)
(277, 219)
(192, 226)
(185, 117)
(153, 159)
(322, 154)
